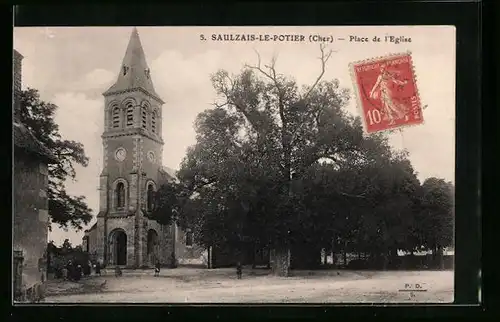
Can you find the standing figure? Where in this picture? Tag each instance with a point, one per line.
(70, 268)
(382, 90)
(118, 271)
(157, 268)
(87, 268)
(98, 268)
(77, 272)
(238, 270)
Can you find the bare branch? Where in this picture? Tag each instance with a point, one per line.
(220, 105)
(350, 195)
(259, 68)
(274, 78)
(324, 59)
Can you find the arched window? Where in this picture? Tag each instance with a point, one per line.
(144, 117)
(116, 117)
(189, 237)
(120, 195)
(150, 196)
(130, 114)
(153, 122)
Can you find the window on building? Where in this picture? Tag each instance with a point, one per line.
(130, 114)
(153, 122)
(120, 195)
(144, 116)
(86, 243)
(150, 198)
(116, 117)
(189, 237)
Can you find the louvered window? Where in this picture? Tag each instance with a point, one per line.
(153, 122)
(130, 114)
(144, 116)
(116, 117)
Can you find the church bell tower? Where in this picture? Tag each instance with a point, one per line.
(132, 150)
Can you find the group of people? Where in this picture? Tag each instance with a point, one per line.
(74, 272)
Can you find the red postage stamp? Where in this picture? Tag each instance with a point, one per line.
(387, 93)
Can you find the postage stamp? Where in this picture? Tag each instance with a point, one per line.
(387, 93)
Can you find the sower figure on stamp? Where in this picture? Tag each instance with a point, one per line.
(382, 90)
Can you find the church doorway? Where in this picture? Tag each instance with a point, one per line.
(119, 247)
(152, 247)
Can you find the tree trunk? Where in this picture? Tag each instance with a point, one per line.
(253, 255)
(325, 257)
(345, 258)
(440, 257)
(386, 260)
(280, 261)
(209, 257)
(334, 261)
(393, 257)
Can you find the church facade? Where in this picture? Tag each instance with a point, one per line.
(132, 171)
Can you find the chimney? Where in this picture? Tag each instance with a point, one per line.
(17, 81)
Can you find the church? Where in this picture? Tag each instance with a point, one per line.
(132, 171)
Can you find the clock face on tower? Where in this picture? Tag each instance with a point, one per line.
(120, 154)
(151, 156)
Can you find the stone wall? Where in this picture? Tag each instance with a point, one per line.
(92, 240)
(189, 255)
(165, 243)
(101, 240)
(30, 216)
(17, 69)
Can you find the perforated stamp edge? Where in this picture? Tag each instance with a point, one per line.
(357, 95)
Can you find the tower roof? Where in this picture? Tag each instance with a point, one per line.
(134, 71)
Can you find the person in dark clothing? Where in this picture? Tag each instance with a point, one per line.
(118, 271)
(77, 273)
(86, 269)
(173, 261)
(70, 270)
(238, 270)
(98, 268)
(157, 269)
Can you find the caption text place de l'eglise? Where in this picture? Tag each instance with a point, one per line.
(304, 38)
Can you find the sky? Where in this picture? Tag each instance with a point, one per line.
(72, 66)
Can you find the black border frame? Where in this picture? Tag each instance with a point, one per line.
(466, 16)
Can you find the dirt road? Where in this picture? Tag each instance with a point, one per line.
(221, 286)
